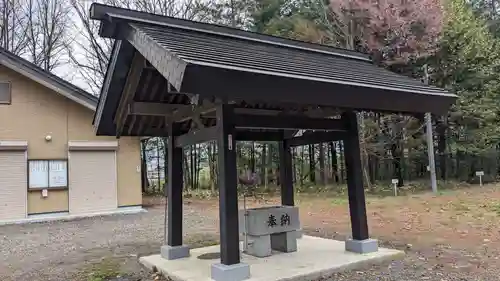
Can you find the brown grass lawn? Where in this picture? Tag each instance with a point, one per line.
(455, 231)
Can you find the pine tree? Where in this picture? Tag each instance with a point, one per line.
(467, 63)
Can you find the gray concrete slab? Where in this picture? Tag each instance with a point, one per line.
(315, 258)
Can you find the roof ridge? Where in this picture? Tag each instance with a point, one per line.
(100, 12)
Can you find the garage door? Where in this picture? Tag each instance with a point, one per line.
(13, 185)
(92, 181)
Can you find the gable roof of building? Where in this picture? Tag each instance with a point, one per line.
(47, 79)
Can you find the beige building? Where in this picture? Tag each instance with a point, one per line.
(52, 164)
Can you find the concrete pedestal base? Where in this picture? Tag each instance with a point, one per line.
(234, 272)
(284, 242)
(174, 252)
(361, 246)
(259, 246)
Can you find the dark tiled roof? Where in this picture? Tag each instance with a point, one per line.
(251, 69)
(234, 53)
(105, 12)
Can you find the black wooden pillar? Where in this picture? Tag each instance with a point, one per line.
(228, 192)
(174, 190)
(286, 176)
(357, 206)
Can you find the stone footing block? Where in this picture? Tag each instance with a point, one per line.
(234, 272)
(361, 246)
(174, 252)
(259, 246)
(284, 242)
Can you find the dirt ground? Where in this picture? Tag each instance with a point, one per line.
(451, 236)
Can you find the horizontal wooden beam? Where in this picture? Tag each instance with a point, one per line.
(288, 122)
(257, 111)
(316, 137)
(174, 113)
(259, 136)
(154, 108)
(196, 136)
(149, 133)
(313, 113)
(186, 113)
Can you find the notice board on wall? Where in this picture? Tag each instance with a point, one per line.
(38, 174)
(58, 173)
(48, 173)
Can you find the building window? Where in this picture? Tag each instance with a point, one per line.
(5, 93)
(44, 174)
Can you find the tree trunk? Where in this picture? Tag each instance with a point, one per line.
(165, 163)
(333, 151)
(187, 175)
(328, 168)
(294, 165)
(144, 166)
(239, 156)
(364, 152)
(197, 167)
(441, 132)
(191, 167)
(302, 166)
(312, 164)
(211, 165)
(397, 150)
(397, 164)
(271, 176)
(372, 168)
(342, 161)
(264, 165)
(322, 164)
(158, 169)
(252, 157)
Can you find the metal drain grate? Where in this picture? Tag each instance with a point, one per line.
(209, 256)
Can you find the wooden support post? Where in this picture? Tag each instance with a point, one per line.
(228, 192)
(174, 190)
(286, 177)
(356, 192)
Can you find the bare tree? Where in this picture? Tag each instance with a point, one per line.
(13, 26)
(47, 30)
(87, 51)
(90, 53)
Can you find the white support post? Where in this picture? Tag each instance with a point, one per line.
(430, 140)
(430, 152)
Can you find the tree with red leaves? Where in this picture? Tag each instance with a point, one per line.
(397, 30)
